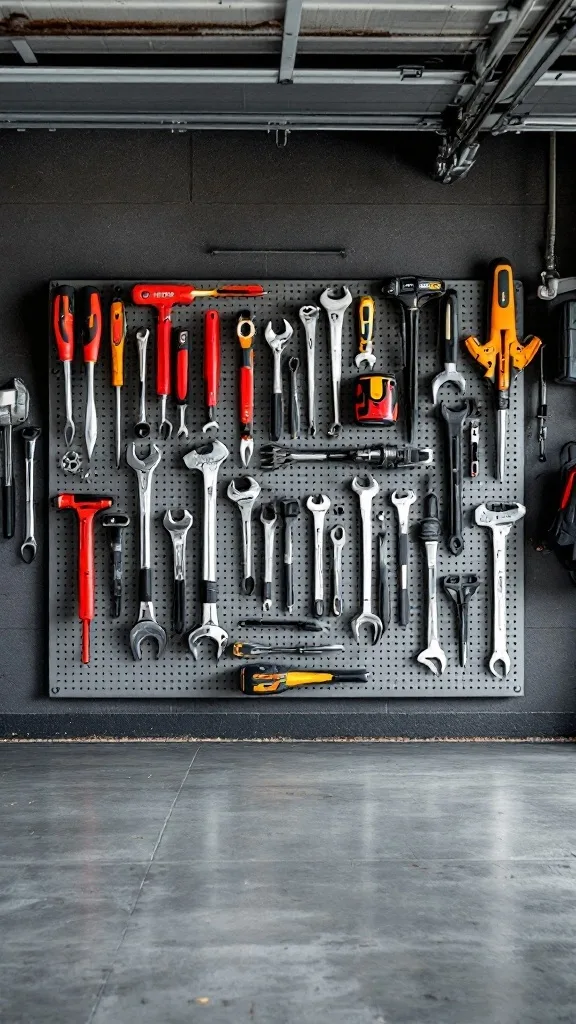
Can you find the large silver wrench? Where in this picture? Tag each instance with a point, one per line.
(29, 546)
(269, 519)
(366, 491)
(178, 530)
(499, 518)
(433, 653)
(338, 538)
(402, 500)
(277, 343)
(244, 496)
(336, 305)
(309, 318)
(318, 505)
(207, 459)
(146, 627)
(142, 428)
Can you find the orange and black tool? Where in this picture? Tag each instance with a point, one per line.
(245, 331)
(91, 332)
(86, 506)
(181, 378)
(376, 400)
(503, 356)
(212, 367)
(63, 327)
(117, 342)
(260, 680)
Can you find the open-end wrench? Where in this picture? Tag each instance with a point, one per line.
(430, 532)
(455, 417)
(28, 549)
(207, 459)
(277, 343)
(268, 518)
(244, 492)
(290, 511)
(462, 589)
(402, 500)
(142, 428)
(366, 487)
(336, 302)
(448, 337)
(338, 538)
(500, 518)
(318, 505)
(178, 529)
(146, 627)
(309, 318)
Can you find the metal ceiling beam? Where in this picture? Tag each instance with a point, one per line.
(290, 33)
(279, 124)
(531, 78)
(220, 76)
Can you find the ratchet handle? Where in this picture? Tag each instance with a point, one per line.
(449, 327)
(212, 357)
(179, 605)
(92, 324)
(181, 374)
(8, 509)
(117, 340)
(63, 322)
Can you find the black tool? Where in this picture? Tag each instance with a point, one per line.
(308, 627)
(114, 523)
(562, 533)
(293, 367)
(455, 416)
(272, 456)
(384, 604)
(243, 650)
(290, 511)
(542, 411)
(375, 400)
(411, 293)
(259, 680)
(461, 589)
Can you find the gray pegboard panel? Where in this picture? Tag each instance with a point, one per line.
(394, 669)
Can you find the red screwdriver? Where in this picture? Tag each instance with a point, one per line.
(91, 335)
(212, 364)
(181, 380)
(245, 331)
(63, 327)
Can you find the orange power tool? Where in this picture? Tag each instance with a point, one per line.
(163, 297)
(503, 356)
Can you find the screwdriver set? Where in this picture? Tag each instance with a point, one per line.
(236, 512)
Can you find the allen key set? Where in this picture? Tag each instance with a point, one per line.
(326, 486)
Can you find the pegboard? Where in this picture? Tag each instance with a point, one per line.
(394, 670)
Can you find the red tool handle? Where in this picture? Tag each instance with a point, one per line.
(92, 324)
(163, 336)
(63, 322)
(182, 347)
(240, 289)
(246, 409)
(211, 356)
(86, 578)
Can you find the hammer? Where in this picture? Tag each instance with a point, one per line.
(86, 506)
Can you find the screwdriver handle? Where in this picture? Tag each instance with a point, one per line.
(117, 341)
(92, 324)
(181, 369)
(366, 308)
(212, 356)
(240, 289)
(63, 322)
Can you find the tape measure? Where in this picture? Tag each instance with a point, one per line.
(376, 400)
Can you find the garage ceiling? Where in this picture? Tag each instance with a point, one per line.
(459, 69)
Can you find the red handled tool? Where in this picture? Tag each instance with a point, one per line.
(212, 366)
(86, 506)
(91, 337)
(181, 380)
(117, 342)
(245, 330)
(163, 297)
(63, 327)
(376, 400)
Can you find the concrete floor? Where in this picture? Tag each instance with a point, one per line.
(287, 884)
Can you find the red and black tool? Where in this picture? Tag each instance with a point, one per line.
(212, 367)
(376, 400)
(181, 377)
(91, 332)
(63, 328)
(86, 506)
(245, 331)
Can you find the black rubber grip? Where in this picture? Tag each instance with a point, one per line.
(403, 549)
(267, 591)
(449, 327)
(8, 509)
(179, 606)
(209, 592)
(276, 416)
(145, 585)
(318, 609)
(404, 608)
(289, 588)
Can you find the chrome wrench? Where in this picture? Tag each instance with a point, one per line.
(29, 546)
(244, 493)
(318, 505)
(277, 343)
(366, 488)
(268, 518)
(402, 500)
(338, 538)
(178, 530)
(433, 657)
(336, 305)
(146, 626)
(309, 318)
(142, 428)
(500, 518)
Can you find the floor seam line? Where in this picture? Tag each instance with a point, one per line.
(106, 977)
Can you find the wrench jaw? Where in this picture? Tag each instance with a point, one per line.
(430, 656)
(246, 450)
(364, 360)
(28, 550)
(500, 658)
(448, 376)
(208, 630)
(367, 619)
(147, 628)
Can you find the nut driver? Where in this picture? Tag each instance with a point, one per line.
(462, 589)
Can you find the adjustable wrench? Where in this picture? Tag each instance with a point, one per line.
(244, 493)
(430, 532)
(207, 459)
(309, 318)
(146, 627)
(448, 336)
(366, 492)
(500, 518)
(455, 417)
(268, 518)
(336, 306)
(178, 530)
(338, 538)
(402, 500)
(142, 428)
(277, 343)
(28, 549)
(318, 505)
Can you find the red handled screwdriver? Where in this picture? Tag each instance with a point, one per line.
(63, 327)
(212, 365)
(181, 376)
(245, 331)
(91, 335)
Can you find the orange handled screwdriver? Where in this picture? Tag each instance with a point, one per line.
(63, 327)
(259, 680)
(503, 356)
(117, 341)
(245, 331)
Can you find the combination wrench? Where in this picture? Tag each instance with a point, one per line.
(178, 529)
(318, 505)
(402, 500)
(433, 657)
(336, 305)
(29, 546)
(309, 319)
(499, 518)
(146, 626)
(338, 538)
(142, 428)
(366, 488)
(277, 343)
(269, 519)
(244, 492)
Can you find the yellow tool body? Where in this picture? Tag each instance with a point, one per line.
(366, 311)
(117, 343)
(262, 679)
